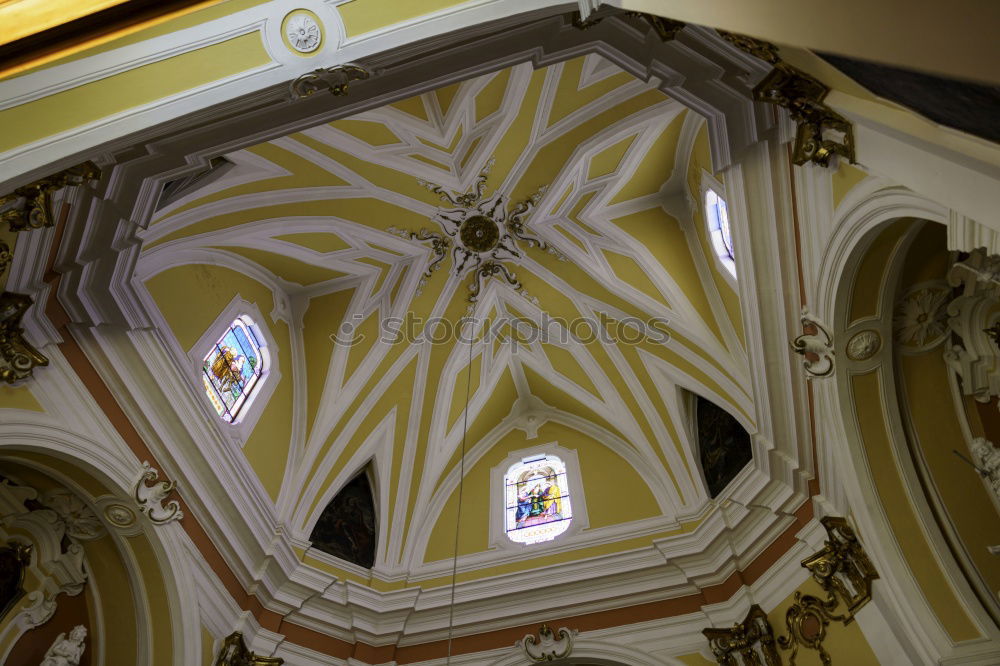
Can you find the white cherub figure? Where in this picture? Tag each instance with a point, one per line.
(66, 651)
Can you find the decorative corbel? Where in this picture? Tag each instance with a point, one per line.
(845, 573)
(752, 640)
(29, 206)
(150, 498)
(548, 646)
(234, 652)
(822, 132)
(18, 359)
(815, 346)
(335, 80)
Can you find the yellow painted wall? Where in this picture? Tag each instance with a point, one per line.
(136, 87)
(361, 16)
(191, 297)
(600, 469)
(19, 397)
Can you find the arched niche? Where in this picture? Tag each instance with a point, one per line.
(882, 426)
(134, 589)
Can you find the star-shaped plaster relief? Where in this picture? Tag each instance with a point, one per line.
(481, 232)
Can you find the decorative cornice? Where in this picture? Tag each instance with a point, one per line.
(234, 652)
(17, 358)
(335, 80)
(29, 206)
(822, 132)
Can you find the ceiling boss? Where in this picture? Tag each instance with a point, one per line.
(481, 233)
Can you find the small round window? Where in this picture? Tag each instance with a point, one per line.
(234, 369)
(717, 217)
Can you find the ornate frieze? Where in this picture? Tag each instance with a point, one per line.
(822, 132)
(150, 498)
(481, 232)
(549, 645)
(749, 643)
(234, 652)
(17, 358)
(29, 206)
(335, 80)
(815, 346)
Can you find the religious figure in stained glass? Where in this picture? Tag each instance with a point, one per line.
(233, 369)
(537, 500)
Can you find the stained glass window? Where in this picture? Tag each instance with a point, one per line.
(717, 216)
(233, 369)
(537, 506)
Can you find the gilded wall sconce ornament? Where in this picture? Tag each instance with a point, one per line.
(481, 232)
(822, 132)
(845, 573)
(15, 558)
(750, 642)
(6, 256)
(335, 80)
(815, 345)
(18, 359)
(150, 498)
(234, 652)
(549, 645)
(29, 206)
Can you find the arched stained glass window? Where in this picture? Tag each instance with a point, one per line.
(537, 500)
(717, 217)
(234, 368)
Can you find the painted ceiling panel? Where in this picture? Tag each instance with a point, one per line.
(339, 221)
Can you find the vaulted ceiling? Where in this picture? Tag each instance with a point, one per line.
(314, 229)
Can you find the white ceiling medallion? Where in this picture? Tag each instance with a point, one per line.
(303, 31)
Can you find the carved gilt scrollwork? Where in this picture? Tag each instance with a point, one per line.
(335, 80)
(6, 256)
(549, 645)
(29, 206)
(822, 132)
(234, 652)
(845, 573)
(748, 643)
(18, 359)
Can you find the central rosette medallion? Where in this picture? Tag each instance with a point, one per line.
(480, 232)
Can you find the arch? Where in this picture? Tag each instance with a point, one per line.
(155, 559)
(848, 480)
